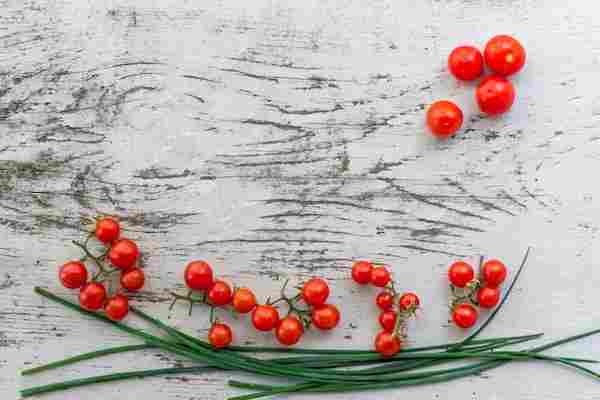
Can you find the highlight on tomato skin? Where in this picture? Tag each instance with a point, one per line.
(444, 118)
(504, 55)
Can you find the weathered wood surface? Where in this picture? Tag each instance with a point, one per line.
(283, 139)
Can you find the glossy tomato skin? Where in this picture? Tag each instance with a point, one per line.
(220, 335)
(504, 55)
(117, 307)
(409, 302)
(460, 273)
(244, 300)
(465, 63)
(493, 272)
(387, 344)
(326, 316)
(387, 320)
(265, 317)
(385, 300)
(92, 296)
(107, 230)
(444, 118)
(495, 95)
(380, 276)
(198, 275)
(488, 297)
(464, 315)
(220, 293)
(289, 330)
(123, 253)
(133, 279)
(73, 274)
(361, 272)
(315, 292)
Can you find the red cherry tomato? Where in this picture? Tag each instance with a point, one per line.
(244, 300)
(107, 230)
(444, 118)
(198, 275)
(504, 55)
(123, 253)
(73, 274)
(385, 300)
(315, 292)
(495, 95)
(289, 330)
(117, 307)
(92, 296)
(265, 317)
(488, 297)
(460, 273)
(220, 293)
(409, 302)
(326, 316)
(133, 279)
(464, 315)
(220, 335)
(465, 63)
(493, 273)
(361, 272)
(380, 276)
(387, 320)
(387, 344)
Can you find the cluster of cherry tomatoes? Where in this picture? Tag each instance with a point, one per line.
(119, 255)
(469, 291)
(495, 94)
(396, 309)
(307, 307)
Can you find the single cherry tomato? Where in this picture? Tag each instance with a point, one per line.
(220, 335)
(133, 279)
(380, 276)
(385, 300)
(315, 292)
(289, 330)
(408, 302)
(117, 307)
(460, 273)
(488, 297)
(444, 118)
(244, 300)
(387, 344)
(361, 272)
(465, 63)
(123, 253)
(92, 296)
(73, 274)
(198, 275)
(326, 316)
(220, 293)
(265, 317)
(387, 320)
(495, 95)
(107, 230)
(464, 315)
(504, 55)
(493, 273)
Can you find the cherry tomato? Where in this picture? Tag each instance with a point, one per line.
(220, 293)
(107, 230)
(92, 296)
(460, 273)
(198, 275)
(133, 279)
(123, 253)
(493, 273)
(117, 307)
(387, 320)
(326, 316)
(495, 95)
(289, 330)
(385, 300)
(464, 315)
(465, 63)
(361, 272)
(380, 276)
(504, 55)
(408, 302)
(315, 292)
(244, 300)
(488, 297)
(73, 274)
(220, 335)
(265, 317)
(444, 118)
(387, 344)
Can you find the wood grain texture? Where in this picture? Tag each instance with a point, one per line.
(282, 139)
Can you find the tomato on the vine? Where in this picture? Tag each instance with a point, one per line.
(460, 273)
(387, 320)
(488, 297)
(220, 293)
(361, 272)
(315, 292)
(107, 230)
(495, 95)
(73, 274)
(265, 317)
(464, 315)
(465, 63)
(198, 275)
(385, 300)
(244, 300)
(444, 118)
(133, 279)
(220, 335)
(123, 253)
(117, 307)
(493, 272)
(92, 296)
(380, 276)
(289, 330)
(409, 302)
(387, 344)
(504, 55)
(326, 316)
